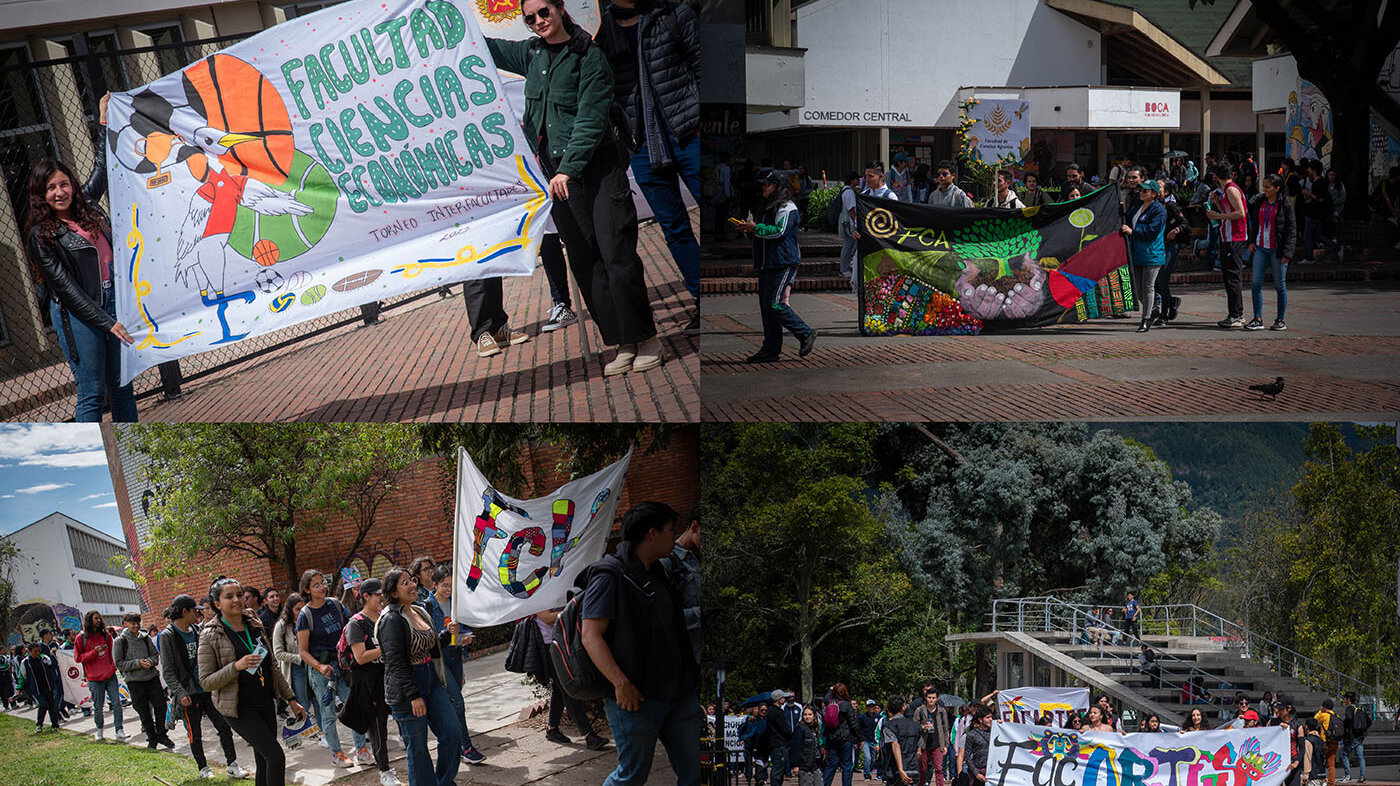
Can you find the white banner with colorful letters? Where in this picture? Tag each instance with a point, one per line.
(1026, 705)
(361, 152)
(516, 557)
(1025, 755)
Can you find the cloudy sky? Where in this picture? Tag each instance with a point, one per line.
(47, 467)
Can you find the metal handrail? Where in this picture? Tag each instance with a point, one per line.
(1284, 660)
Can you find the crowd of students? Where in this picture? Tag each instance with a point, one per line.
(933, 739)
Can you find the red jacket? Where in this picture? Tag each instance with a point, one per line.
(95, 667)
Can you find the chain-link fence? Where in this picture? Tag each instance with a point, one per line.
(48, 108)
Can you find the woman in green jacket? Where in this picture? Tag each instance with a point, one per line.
(568, 102)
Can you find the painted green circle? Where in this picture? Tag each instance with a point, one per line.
(1081, 218)
(313, 294)
(312, 185)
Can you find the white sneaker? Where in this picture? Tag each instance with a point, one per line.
(207, 774)
(559, 316)
(236, 771)
(97, 735)
(388, 778)
(122, 736)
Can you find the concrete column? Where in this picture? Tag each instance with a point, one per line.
(1259, 143)
(1101, 159)
(143, 67)
(197, 24)
(1205, 126)
(885, 147)
(781, 25)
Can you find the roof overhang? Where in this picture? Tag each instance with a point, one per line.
(1241, 34)
(1155, 52)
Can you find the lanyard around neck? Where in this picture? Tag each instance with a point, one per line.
(244, 635)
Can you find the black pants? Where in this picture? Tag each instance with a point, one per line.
(1231, 267)
(598, 224)
(556, 269)
(486, 311)
(52, 709)
(1164, 278)
(258, 727)
(559, 700)
(202, 705)
(379, 738)
(148, 699)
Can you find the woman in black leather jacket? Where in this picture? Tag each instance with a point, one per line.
(413, 689)
(70, 247)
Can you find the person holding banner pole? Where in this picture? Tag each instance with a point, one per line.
(70, 250)
(455, 640)
(568, 98)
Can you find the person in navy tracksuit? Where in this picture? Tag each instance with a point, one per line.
(776, 256)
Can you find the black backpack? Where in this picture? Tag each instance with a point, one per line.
(1360, 720)
(833, 210)
(572, 666)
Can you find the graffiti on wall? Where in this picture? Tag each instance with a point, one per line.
(376, 559)
(35, 616)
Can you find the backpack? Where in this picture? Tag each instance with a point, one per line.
(572, 666)
(831, 716)
(1333, 729)
(344, 655)
(833, 210)
(1360, 720)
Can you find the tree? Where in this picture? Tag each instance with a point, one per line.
(9, 555)
(255, 488)
(1344, 552)
(1340, 47)
(799, 557)
(1029, 509)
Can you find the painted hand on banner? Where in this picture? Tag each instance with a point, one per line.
(980, 300)
(1026, 298)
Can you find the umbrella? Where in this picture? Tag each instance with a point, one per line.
(1176, 154)
(949, 700)
(757, 699)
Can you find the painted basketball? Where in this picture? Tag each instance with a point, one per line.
(356, 280)
(265, 252)
(236, 97)
(313, 294)
(311, 184)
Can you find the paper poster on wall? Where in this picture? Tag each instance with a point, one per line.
(1309, 125)
(1001, 129)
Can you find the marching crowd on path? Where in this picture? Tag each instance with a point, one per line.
(257, 664)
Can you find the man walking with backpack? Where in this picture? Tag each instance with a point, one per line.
(1330, 728)
(1355, 722)
(634, 632)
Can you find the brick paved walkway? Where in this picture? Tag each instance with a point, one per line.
(419, 364)
(1340, 359)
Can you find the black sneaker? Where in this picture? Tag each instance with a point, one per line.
(762, 357)
(1278, 325)
(473, 756)
(1231, 322)
(1174, 310)
(559, 316)
(1255, 324)
(807, 344)
(596, 742)
(557, 736)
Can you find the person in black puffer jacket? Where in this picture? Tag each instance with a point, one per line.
(654, 49)
(1176, 232)
(69, 242)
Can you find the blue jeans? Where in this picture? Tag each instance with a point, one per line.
(662, 189)
(444, 726)
(677, 723)
(98, 367)
(325, 710)
(1348, 748)
(842, 756)
(1268, 258)
(869, 750)
(1209, 248)
(454, 695)
(106, 689)
(773, 283)
(300, 686)
(1314, 234)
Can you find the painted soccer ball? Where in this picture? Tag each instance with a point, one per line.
(268, 280)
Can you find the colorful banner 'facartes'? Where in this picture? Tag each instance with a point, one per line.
(947, 271)
(517, 557)
(1027, 705)
(1024, 755)
(361, 152)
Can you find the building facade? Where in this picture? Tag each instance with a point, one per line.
(65, 570)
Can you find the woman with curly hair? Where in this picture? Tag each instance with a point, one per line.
(69, 240)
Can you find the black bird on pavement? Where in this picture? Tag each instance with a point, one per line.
(1270, 389)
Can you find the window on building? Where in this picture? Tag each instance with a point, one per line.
(26, 135)
(93, 592)
(93, 553)
(1042, 671)
(294, 10)
(172, 56)
(1015, 669)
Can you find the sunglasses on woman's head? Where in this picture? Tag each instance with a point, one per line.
(530, 18)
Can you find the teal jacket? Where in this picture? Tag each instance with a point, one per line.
(571, 98)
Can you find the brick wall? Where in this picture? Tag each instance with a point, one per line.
(417, 519)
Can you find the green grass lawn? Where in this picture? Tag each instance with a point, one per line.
(62, 758)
